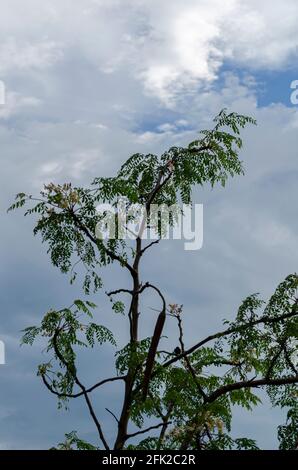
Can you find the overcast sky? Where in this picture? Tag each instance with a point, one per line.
(92, 81)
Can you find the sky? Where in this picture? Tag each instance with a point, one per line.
(87, 84)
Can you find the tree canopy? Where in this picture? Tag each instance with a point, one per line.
(171, 400)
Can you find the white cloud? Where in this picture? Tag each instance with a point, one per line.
(172, 47)
(191, 40)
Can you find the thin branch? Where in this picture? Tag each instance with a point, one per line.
(149, 246)
(165, 419)
(77, 395)
(97, 424)
(274, 360)
(167, 352)
(166, 423)
(289, 361)
(114, 416)
(250, 384)
(119, 291)
(85, 394)
(110, 253)
(129, 436)
(151, 286)
(158, 186)
(186, 359)
(129, 291)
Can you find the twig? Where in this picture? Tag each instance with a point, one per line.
(111, 413)
(149, 246)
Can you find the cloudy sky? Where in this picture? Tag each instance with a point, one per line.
(92, 81)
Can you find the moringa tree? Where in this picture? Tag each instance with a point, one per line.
(171, 400)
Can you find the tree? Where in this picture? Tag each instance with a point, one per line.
(181, 399)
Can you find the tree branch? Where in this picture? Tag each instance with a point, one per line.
(186, 359)
(149, 246)
(289, 361)
(274, 359)
(114, 416)
(85, 394)
(250, 384)
(119, 291)
(228, 331)
(154, 342)
(77, 395)
(166, 423)
(110, 253)
(129, 436)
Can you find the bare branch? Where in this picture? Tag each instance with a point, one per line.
(77, 395)
(85, 394)
(129, 436)
(111, 413)
(149, 246)
(119, 291)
